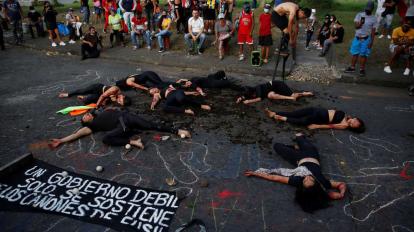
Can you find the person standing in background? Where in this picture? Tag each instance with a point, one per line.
(13, 11)
(85, 11)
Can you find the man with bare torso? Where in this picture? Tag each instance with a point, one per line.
(285, 16)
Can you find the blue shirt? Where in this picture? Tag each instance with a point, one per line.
(13, 9)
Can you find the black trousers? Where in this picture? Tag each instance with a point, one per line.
(89, 52)
(133, 124)
(91, 93)
(309, 34)
(39, 29)
(176, 101)
(118, 35)
(292, 155)
(307, 116)
(1, 38)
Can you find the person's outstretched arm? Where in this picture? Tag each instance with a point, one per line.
(131, 83)
(84, 131)
(328, 126)
(274, 178)
(111, 91)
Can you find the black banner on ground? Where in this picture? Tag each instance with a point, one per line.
(40, 187)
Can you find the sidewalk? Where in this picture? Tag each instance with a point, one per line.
(172, 58)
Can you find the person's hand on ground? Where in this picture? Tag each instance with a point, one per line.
(184, 133)
(249, 173)
(54, 143)
(239, 100)
(312, 127)
(63, 95)
(189, 111)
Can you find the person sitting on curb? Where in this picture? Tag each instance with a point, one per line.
(313, 189)
(140, 29)
(120, 128)
(336, 37)
(89, 47)
(365, 25)
(402, 44)
(319, 118)
(164, 27)
(74, 26)
(115, 21)
(195, 32)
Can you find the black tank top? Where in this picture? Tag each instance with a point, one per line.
(338, 117)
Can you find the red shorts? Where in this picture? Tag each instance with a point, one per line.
(244, 39)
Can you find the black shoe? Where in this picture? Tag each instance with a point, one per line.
(161, 50)
(84, 58)
(362, 72)
(349, 70)
(321, 54)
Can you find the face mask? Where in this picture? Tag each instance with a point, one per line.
(32, 11)
(266, 10)
(331, 20)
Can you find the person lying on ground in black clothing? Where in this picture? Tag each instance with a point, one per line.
(216, 80)
(176, 99)
(120, 128)
(143, 81)
(313, 190)
(319, 118)
(99, 94)
(273, 90)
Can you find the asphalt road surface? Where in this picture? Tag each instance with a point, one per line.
(376, 165)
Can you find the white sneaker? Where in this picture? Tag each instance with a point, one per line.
(307, 48)
(72, 41)
(54, 44)
(381, 36)
(62, 43)
(149, 47)
(388, 37)
(387, 69)
(406, 72)
(319, 48)
(241, 57)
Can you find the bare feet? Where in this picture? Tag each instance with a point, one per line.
(189, 111)
(184, 133)
(299, 134)
(206, 107)
(270, 113)
(138, 143)
(307, 94)
(63, 95)
(80, 97)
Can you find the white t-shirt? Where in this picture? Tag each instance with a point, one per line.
(380, 7)
(197, 25)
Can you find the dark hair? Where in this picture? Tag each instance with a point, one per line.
(91, 27)
(312, 199)
(360, 129)
(248, 91)
(307, 12)
(31, 7)
(334, 18)
(127, 101)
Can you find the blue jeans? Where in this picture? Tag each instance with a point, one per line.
(85, 12)
(189, 40)
(146, 35)
(160, 36)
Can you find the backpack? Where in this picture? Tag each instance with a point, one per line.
(63, 29)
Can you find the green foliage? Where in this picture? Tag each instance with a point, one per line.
(320, 4)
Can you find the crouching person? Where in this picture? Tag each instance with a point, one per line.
(402, 44)
(89, 48)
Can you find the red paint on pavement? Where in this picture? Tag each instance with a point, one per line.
(226, 194)
(404, 174)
